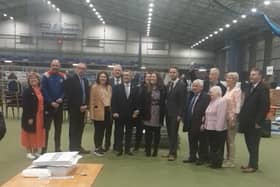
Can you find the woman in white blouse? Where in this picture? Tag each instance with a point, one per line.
(215, 118)
(233, 96)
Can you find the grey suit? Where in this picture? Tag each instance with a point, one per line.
(175, 102)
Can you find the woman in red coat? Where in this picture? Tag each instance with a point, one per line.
(33, 132)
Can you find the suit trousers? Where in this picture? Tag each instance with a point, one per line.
(217, 142)
(172, 130)
(57, 117)
(152, 135)
(198, 145)
(76, 129)
(252, 139)
(139, 133)
(100, 127)
(123, 128)
(108, 134)
(230, 143)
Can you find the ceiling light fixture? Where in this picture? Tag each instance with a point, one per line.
(221, 29)
(254, 10)
(87, 1)
(227, 25)
(5, 15)
(266, 3)
(243, 16)
(234, 21)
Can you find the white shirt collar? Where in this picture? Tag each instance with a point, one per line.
(175, 82)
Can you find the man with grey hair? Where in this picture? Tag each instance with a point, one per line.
(193, 120)
(77, 91)
(214, 75)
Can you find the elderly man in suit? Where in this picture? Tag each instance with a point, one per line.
(252, 116)
(175, 101)
(77, 91)
(194, 116)
(125, 111)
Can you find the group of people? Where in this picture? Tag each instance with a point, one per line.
(213, 112)
(210, 113)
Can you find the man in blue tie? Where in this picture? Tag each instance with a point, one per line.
(193, 120)
(77, 92)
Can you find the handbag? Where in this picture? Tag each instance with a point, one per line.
(3, 128)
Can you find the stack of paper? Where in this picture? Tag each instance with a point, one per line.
(54, 164)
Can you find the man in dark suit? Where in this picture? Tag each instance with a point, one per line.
(125, 110)
(176, 96)
(114, 81)
(252, 117)
(193, 120)
(77, 91)
(214, 75)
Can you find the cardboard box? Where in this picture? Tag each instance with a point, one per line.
(274, 97)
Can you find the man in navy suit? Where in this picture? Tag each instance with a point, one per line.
(193, 120)
(125, 111)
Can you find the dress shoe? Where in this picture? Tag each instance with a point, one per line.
(215, 166)
(171, 158)
(129, 153)
(155, 153)
(119, 153)
(189, 160)
(199, 162)
(83, 151)
(244, 167)
(249, 170)
(98, 152)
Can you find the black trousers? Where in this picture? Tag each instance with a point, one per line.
(252, 139)
(152, 135)
(100, 128)
(139, 133)
(198, 145)
(108, 134)
(123, 128)
(217, 141)
(76, 129)
(55, 116)
(172, 130)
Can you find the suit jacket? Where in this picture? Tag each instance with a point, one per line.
(112, 81)
(206, 87)
(96, 106)
(123, 106)
(73, 91)
(29, 109)
(255, 107)
(175, 100)
(145, 104)
(192, 123)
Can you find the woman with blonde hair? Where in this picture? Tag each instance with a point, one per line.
(32, 122)
(233, 97)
